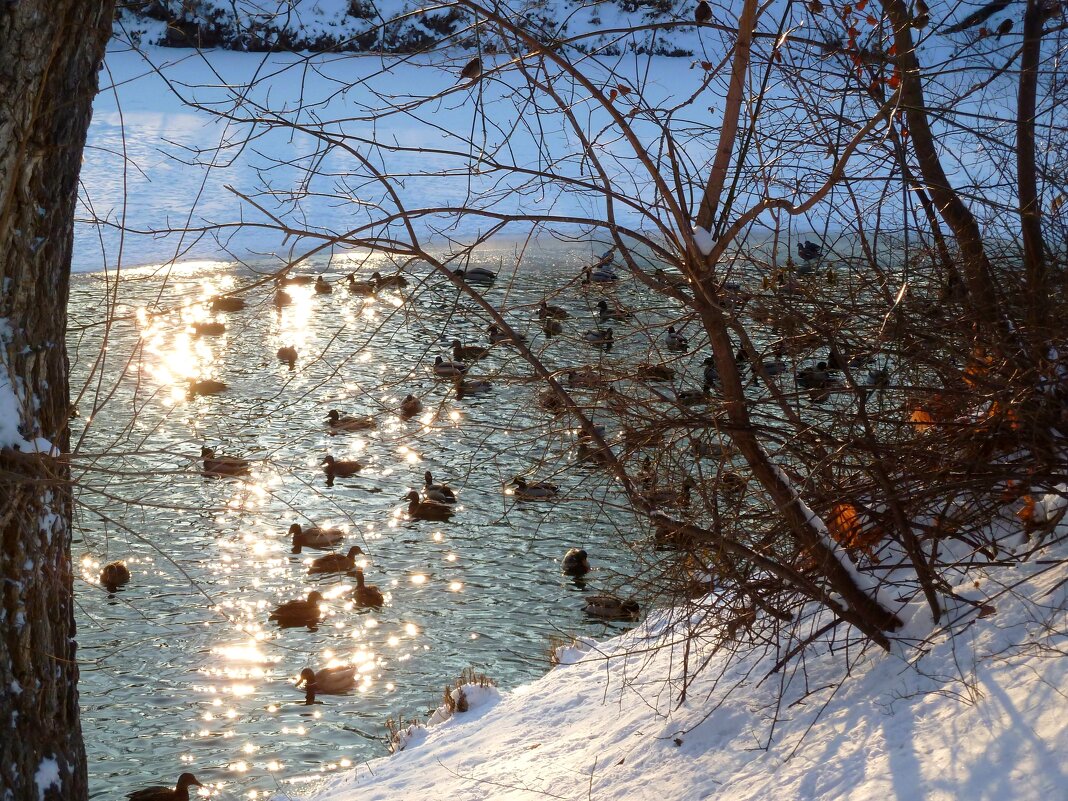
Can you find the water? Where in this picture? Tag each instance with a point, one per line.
(181, 669)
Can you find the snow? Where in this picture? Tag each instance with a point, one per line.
(979, 716)
(47, 777)
(703, 239)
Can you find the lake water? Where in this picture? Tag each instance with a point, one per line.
(181, 670)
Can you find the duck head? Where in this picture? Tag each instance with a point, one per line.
(315, 597)
(428, 478)
(187, 780)
(307, 677)
(333, 416)
(327, 460)
(207, 453)
(355, 551)
(411, 497)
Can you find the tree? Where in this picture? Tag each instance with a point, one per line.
(50, 54)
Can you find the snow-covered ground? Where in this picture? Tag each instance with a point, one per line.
(983, 715)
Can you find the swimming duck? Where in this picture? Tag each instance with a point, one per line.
(442, 493)
(693, 397)
(599, 337)
(361, 287)
(609, 607)
(667, 279)
(538, 491)
(206, 386)
(654, 372)
(227, 304)
(586, 438)
(676, 341)
(809, 251)
(499, 337)
(444, 369)
(211, 328)
(314, 537)
(468, 353)
(339, 468)
(329, 680)
(575, 562)
(547, 312)
(474, 386)
(114, 575)
(552, 327)
(711, 373)
(322, 287)
(336, 562)
(410, 406)
(299, 613)
(296, 280)
(179, 792)
(599, 275)
(426, 510)
(336, 421)
(367, 594)
(606, 313)
(669, 496)
(774, 367)
(584, 378)
(287, 354)
(476, 275)
(395, 281)
(282, 298)
(218, 466)
(814, 377)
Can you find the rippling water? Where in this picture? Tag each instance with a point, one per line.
(181, 669)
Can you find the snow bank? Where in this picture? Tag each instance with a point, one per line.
(979, 716)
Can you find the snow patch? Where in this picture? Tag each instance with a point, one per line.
(703, 239)
(47, 777)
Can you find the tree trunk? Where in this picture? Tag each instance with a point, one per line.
(50, 53)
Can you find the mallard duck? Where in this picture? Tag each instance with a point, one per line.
(227, 304)
(499, 337)
(669, 496)
(442, 493)
(814, 377)
(296, 280)
(282, 298)
(339, 468)
(361, 287)
(299, 613)
(336, 562)
(693, 397)
(206, 386)
(113, 575)
(654, 372)
(314, 537)
(711, 373)
(287, 354)
(606, 313)
(395, 281)
(367, 594)
(599, 275)
(474, 386)
(336, 421)
(808, 250)
(180, 792)
(211, 328)
(609, 607)
(667, 279)
(476, 275)
(773, 367)
(538, 491)
(328, 681)
(217, 466)
(552, 327)
(575, 562)
(599, 337)
(322, 286)
(547, 312)
(676, 341)
(410, 406)
(468, 353)
(445, 369)
(426, 510)
(584, 378)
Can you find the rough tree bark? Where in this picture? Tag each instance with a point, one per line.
(50, 54)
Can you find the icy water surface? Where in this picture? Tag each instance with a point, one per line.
(181, 670)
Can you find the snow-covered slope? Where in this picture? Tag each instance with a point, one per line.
(982, 715)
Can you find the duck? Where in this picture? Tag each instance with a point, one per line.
(336, 562)
(816, 377)
(474, 386)
(551, 327)
(299, 613)
(114, 575)
(336, 421)
(365, 288)
(609, 607)
(676, 341)
(287, 354)
(410, 406)
(395, 281)
(227, 304)
(468, 353)
(339, 468)
(774, 367)
(547, 312)
(710, 371)
(606, 313)
(296, 280)
(693, 397)
(442, 493)
(322, 287)
(314, 537)
(499, 337)
(426, 509)
(584, 378)
(642, 437)
(575, 562)
(654, 372)
(327, 681)
(586, 438)
(538, 491)
(808, 250)
(476, 275)
(218, 466)
(211, 328)
(551, 402)
(367, 594)
(282, 298)
(599, 275)
(180, 792)
(446, 369)
(206, 386)
(670, 496)
(665, 278)
(599, 337)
